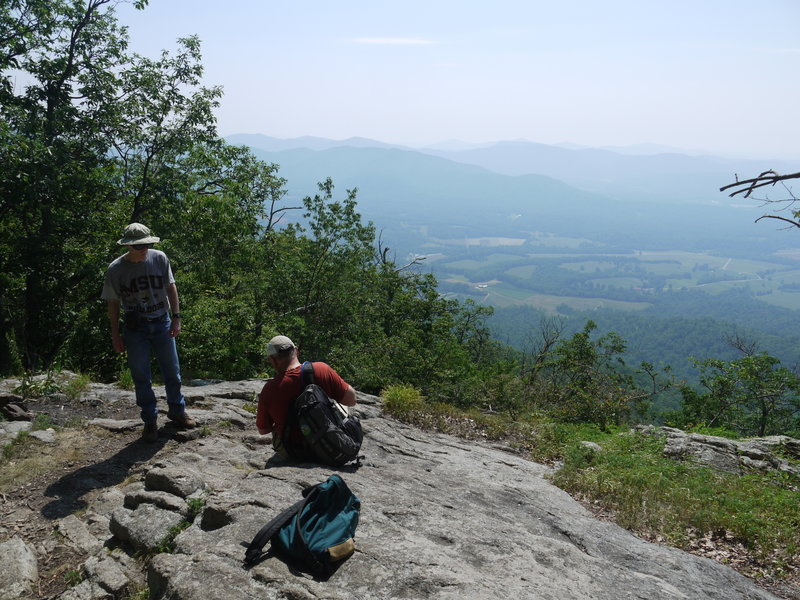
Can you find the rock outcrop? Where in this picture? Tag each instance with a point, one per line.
(731, 456)
(441, 518)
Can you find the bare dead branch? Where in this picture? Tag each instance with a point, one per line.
(748, 186)
(746, 346)
(550, 331)
(417, 260)
(795, 223)
(382, 257)
(298, 309)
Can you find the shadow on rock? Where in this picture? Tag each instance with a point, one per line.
(68, 491)
(276, 461)
(294, 568)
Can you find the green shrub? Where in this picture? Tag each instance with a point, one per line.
(402, 400)
(552, 439)
(41, 422)
(37, 386)
(73, 578)
(16, 445)
(76, 386)
(716, 431)
(15, 357)
(138, 593)
(196, 505)
(125, 380)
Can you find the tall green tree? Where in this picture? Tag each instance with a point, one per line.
(54, 178)
(94, 138)
(753, 395)
(583, 379)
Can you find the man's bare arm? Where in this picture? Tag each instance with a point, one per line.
(349, 398)
(113, 318)
(175, 307)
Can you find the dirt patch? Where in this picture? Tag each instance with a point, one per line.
(55, 481)
(62, 411)
(46, 482)
(42, 482)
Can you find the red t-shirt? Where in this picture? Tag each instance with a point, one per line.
(277, 393)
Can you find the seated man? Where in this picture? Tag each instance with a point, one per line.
(280, 391)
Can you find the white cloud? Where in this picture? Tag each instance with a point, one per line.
(781, 50)
(394, 41)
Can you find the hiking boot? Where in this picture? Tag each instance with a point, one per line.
(182, 420)
(150, 432)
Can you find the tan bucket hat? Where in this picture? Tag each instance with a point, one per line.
(136, 233)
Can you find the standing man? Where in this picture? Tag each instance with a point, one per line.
(141, 283)
(279, 392)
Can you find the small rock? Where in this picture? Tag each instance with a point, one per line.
(144, 528)
(163, 500)
(86, 590)
(175, 480)
(117, 424)
(593, 446)
(48, 436)
(107, 573)
(20, 570)
(76, 532)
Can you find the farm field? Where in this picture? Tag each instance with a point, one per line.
(587, 281)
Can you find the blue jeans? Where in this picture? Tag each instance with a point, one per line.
(153, 336)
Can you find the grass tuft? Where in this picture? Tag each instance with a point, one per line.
(75, 386)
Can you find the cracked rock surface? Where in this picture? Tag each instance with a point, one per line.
(441, 518)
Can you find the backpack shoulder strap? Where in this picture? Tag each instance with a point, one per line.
(256, 547)
(307, 373)
(307, 376)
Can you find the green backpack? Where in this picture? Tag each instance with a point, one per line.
(316, 533)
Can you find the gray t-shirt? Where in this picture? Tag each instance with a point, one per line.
(140, 287)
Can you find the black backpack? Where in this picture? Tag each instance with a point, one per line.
(329, 434)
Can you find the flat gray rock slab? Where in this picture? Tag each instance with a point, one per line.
(47, 436)
(12, 428)
(441, 518)
(116, 424)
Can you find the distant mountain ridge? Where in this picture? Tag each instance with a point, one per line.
(406, 184)
(632, 175)
(663, 176)
(411, 194)
(273, 144)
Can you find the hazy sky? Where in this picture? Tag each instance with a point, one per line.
(715, 75)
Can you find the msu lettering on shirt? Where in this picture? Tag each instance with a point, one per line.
(140, 287)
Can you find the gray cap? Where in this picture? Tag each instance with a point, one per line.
(136, 233)
(280, 345)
